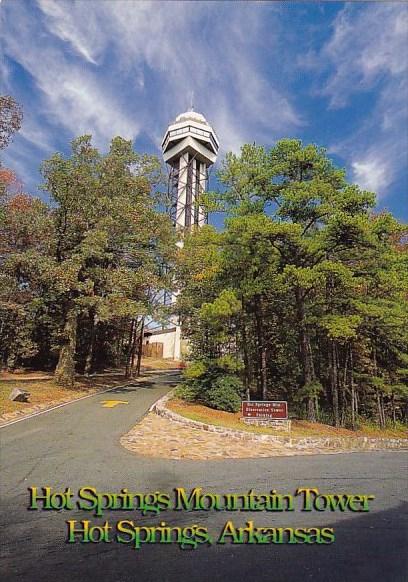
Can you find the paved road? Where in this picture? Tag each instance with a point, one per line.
(78, 445)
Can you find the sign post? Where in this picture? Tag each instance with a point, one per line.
(272, 413)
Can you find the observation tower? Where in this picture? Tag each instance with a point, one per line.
(190, 146)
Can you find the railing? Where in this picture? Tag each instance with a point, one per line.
(190, 129)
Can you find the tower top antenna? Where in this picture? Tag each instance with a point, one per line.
(192, 101)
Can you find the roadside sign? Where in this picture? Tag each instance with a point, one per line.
(267, 409)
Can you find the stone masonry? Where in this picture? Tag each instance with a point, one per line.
(166, 434)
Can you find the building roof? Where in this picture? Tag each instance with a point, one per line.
(191, 116)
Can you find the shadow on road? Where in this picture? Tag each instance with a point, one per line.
(124, 389)
(368, 548)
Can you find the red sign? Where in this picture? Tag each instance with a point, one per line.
(272, 409)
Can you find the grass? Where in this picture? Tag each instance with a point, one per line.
(159, 364)
(300, 428)
(43, 389)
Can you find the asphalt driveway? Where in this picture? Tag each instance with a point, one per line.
(78, 445)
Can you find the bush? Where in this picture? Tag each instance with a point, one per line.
(213, 383)
(195, 370)
(188, 391)
(224, 394)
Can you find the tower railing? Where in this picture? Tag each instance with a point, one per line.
(190, 129)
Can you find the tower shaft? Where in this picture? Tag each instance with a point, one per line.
(188, 179)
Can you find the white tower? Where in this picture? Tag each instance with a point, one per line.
(190, 147)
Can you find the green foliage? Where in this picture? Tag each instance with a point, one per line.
(213, 383)
(230, 363)
(303, 296)
(94, 256)
(195, 370)
(225, 394)
(306, 288)
(219, 391)
(188, 391)
(341, 327)
(225, 305)
(313, 389)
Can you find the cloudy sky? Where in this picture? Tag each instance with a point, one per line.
(331, 73)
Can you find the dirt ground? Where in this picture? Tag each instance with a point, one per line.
(43, 389)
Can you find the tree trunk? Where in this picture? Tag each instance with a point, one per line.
(394, 417)
(140, 348)
(118, 350)
(133, 351)
(381, 417)
(380, 403)
(306, 357)
(334, 384)
(342, 385)
(130, 348)
(384, 420)
(313, 402)
(65, 370)
(263, 374)
(91, 345)
(121, 352)
(352, 389)
(311, 409)
(247, 381)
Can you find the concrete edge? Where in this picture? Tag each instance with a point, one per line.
(348, 443)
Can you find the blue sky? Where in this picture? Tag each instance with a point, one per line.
(331, 73)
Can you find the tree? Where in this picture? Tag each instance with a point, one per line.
(301, 251)
(110, 240)
(11, 116)
(25, 241)
(91, 272)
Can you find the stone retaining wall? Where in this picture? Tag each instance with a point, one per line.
(349, 443)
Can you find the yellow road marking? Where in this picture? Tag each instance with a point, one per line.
(112, 403)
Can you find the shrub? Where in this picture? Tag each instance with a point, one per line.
(213, 383)
(195, 370)
(188, 391)
(224, 394)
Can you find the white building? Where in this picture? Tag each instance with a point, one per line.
(190, 146)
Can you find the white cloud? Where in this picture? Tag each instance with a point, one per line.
(64, 24)
(123, 67)
(368, 51)
(371, 173)
(73, 96)
(366, 43)
(128, 67)
(33, 133)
